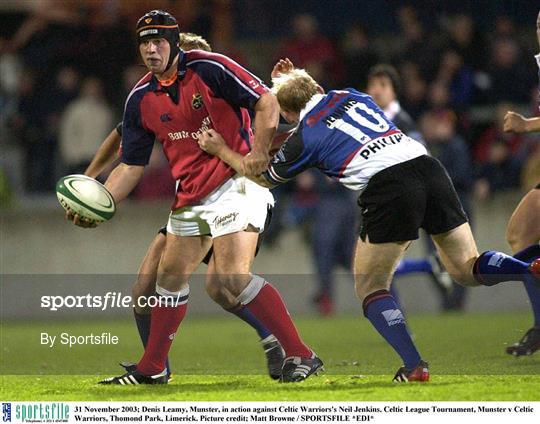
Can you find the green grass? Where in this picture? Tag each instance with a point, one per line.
(220, 359)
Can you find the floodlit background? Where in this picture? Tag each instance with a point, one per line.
(67, 66)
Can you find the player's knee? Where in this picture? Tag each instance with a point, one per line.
(363, 286)
(213, 288)
(219, 293)
(464, 275)
(138, 294)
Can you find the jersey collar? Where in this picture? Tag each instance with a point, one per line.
(182, 68)
(310, 105)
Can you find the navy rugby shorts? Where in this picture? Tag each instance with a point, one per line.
(403, 198)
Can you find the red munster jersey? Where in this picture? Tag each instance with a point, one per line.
(213, 92)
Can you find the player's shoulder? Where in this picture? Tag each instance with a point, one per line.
(139, 89)
(195, 58)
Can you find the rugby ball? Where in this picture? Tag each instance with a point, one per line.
(86, 197)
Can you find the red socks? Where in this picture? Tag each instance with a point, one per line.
(269, 308)
(166, 317)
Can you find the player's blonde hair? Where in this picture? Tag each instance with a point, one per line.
(294, 89)
(190, 41)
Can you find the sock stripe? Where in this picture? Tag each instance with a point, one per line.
(370, 298)
(172, 300)
(476, 271)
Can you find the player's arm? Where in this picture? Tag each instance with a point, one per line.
(123, 179)
(289, 161)
(213, 144)
(106, 153)
(240, 88)
(514, 122)
(264, 126)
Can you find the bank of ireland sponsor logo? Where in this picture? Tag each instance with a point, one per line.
(393, 317)
(182, 135)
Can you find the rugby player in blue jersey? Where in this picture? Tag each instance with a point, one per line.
(401, 189)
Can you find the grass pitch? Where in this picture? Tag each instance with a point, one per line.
(220, 359)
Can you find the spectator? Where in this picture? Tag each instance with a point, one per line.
(81, 136)
(439, 128)
(414, 89)
(311, 50)
(458, 77)
(494, 133)
(500, 172)
(358, 56)
(510, 80)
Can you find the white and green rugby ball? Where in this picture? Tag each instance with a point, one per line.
(86, 197)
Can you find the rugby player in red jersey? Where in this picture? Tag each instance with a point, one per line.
(145, 284)
(184, 94)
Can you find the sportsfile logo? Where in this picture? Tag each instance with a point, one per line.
(393, 317)
(37, 412)
(6, 412)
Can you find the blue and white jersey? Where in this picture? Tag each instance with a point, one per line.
(347, 136)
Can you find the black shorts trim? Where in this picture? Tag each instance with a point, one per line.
(403, 198)
(537, 186)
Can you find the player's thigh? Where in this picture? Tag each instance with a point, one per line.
(374, 265)
(458, 252)
(233, 256)
(182, 255)
(524, 224)
(146, 278)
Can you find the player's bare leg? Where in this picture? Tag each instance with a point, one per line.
(145, 285)
(523, 236)
(459, 255)
(234, 255)
(374, 266)
(524, 225)
(458, 252)
(181, 256)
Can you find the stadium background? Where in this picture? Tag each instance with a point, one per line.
(461, 62)
(67, 66)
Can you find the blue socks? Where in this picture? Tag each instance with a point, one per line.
(412, 265)
(495, 267)
(527, 255)
(246, 315)
(383, 312)
(143, 326)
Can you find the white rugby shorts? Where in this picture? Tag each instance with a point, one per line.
(230, 208)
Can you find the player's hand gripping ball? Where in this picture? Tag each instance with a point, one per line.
(86, 201)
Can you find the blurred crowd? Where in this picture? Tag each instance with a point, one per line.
(66, 68)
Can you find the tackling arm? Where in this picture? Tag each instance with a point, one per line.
(264, 126)
(212, 143)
